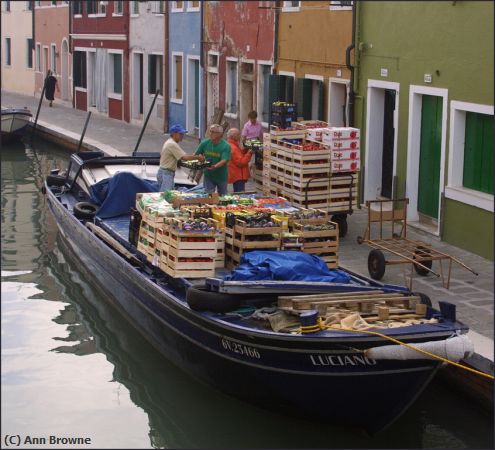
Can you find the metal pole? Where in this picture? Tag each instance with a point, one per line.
(84, 131)
(145, 123)
(39, 107)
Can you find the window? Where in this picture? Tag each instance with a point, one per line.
(102, 8)
(177, 6)
(29, 55)
(161, 6)
(29, 6)
(7, 5)
(38, 57)
(231, 88)
(54, 2)
(344, 5)
(264, 71)
(135, 7)
(8, 56)
(478, 153)
(115, 75)
(291, 6)
(177, 77)
(77, 7)
(38, 2)
(470, 174)
(80, 69)
(213, 62)
(155, 73)
(118, 7)
(91, 7)
(53, 55)
(193, 6)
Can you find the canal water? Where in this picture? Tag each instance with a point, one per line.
(73, 367)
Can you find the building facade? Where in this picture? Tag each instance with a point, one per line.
(51, 25)
(238, 51)
(424, 103)
(100, 45)
(311, 69)
(185, 70)
(146, 45)
(17, 46)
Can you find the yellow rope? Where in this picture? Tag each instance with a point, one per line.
(322, 326)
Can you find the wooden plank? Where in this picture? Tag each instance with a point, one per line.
(117, 246)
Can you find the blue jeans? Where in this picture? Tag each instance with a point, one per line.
(165, 178)
(210, 186)
(239, 185)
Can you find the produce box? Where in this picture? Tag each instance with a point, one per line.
(320, 238)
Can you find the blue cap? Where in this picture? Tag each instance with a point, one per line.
(177, 129)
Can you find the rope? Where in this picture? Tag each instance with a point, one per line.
(321, 326)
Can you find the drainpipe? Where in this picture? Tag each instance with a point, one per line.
(351, 67)
(166, 81)
(33, 51)
(275, 40)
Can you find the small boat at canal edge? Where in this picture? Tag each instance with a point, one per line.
(323, 375)
(15, 122)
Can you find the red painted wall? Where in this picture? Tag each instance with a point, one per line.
(230, 27)
(119, 109)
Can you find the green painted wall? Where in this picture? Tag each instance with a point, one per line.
(454, 42)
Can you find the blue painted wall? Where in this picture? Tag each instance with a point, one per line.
(185, 37)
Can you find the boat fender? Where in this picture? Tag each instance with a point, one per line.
(199, 298)
(85, 210)
(453, 349)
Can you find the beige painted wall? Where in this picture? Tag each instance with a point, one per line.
(17, 24)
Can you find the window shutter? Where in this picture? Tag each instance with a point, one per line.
(304, 94)
(321, 87)
(288, 89)
(151, 74)
(273, 92)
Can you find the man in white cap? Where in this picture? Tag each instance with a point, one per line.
(217, 151)
(171, 153)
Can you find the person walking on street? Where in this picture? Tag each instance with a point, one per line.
(217, 151)
(51, 85)
(252, 128)
(171, 153)
(239, 161)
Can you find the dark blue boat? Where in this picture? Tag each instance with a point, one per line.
(15, 122)
(323, 375)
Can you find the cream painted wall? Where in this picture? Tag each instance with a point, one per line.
(18, 26)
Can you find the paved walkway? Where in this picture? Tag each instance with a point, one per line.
(472, 294)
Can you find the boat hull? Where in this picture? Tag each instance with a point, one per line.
(321, 378)
(15, 123)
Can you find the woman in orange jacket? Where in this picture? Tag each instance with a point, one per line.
(239, 161)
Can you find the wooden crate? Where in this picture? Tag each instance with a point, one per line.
(212, 199)
(187, 273)
(327, 249)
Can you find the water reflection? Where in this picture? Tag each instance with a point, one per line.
(75, 364)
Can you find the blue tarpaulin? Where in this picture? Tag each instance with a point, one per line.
(117, 195)
(284, 266)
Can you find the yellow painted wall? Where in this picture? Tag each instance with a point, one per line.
(313, 40)
(17, 24)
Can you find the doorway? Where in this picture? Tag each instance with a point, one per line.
(338, 110)
(192, 114)
(381, 140)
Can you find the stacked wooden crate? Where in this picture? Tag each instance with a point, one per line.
(242, 238)
(320, 238)
(330, 159)
(188, 253)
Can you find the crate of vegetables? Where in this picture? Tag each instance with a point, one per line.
(320, 238)
(193, 234)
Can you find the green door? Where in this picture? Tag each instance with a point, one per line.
(429, 155)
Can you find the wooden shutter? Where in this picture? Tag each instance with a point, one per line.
(304, 97)
(321, 87)
(478, 153)
(273, 92)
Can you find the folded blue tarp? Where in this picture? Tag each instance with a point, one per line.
(117, 195)
(288, 265)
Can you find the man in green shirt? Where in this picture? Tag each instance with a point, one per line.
(217, 151)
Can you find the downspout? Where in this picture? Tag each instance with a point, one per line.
(33, 50)
(166, 80)
(351, 67)
(275, 40)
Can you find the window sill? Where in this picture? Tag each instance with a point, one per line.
(231, 115)
(97, 15)
(291, 9)
(177, 100)
(192, 9)
(134, 15)
(117, 14)
(80, 89)
(114, 95)
(174, 10)
(470, 197)
(77, 16)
